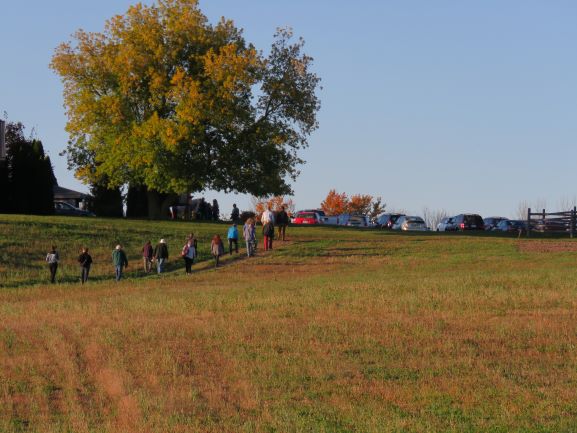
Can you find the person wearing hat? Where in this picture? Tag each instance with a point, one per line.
(161, 255)
(119, 260)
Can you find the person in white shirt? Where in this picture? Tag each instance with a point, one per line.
(267, 217)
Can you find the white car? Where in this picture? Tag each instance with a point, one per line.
(446, 224)
(410, 223)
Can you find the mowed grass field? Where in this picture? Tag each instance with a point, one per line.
(338, 330)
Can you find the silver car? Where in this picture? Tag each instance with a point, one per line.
(446, 224)
(410, 223)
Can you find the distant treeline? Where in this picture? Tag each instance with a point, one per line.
(26, 175)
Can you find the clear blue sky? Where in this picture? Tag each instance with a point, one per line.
(462, 106)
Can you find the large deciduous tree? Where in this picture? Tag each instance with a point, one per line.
(164, 100)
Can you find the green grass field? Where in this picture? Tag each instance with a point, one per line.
(338, 330)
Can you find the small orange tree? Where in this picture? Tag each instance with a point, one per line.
(360, 204)
(275, 203)
(335, 203)
(364, 204)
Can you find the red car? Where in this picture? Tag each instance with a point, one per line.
(307, 218)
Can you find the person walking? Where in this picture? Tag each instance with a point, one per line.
(217, 249)
(119, 260)
(191, 237)
(188, 254)
(147, 256)
(232, 238)
(85, 261)
(161, 255)
(249, 234)
(52, 258)
(235, 214)
(267, 220)
(281, 221)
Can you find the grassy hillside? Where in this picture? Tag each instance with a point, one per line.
(336, 331)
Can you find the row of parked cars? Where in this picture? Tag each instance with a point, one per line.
(464, 222)
(461, 222)
(475, 222)
(318, 216)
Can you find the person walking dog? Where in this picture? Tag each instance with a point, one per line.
(119, 260)
(85, 261)
(52, 258)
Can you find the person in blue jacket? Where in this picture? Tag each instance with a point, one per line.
(232, 238)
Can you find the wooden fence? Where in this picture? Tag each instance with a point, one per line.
(559, 222)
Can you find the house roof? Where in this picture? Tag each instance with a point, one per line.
(65, 193)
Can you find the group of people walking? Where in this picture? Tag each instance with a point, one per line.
(189, 252)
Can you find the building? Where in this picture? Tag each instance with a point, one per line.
(75, 198)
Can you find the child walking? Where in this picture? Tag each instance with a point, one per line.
(232, 238)
(249, 234)
(217, 249)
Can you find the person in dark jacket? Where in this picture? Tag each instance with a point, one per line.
(147, 256)
(268, 235)
(85, 261)
(282, 220)
(235, 214)
(119, 260)
(161, 255)
(52, 258)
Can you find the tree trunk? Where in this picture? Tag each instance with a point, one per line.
(137, 202)
(158, 204)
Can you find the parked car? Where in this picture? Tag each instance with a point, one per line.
(515, 226)
(492, 222)
(358, 221)
(386, 220)
(446, 225)
(549, 225)
(320, 212)
(307, 218)
(410, 223)
(468, 221)
(63, 208)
